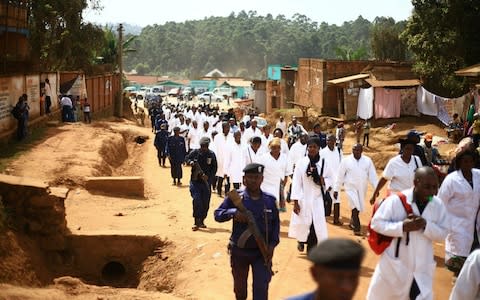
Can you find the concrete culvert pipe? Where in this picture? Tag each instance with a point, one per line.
(113, 272)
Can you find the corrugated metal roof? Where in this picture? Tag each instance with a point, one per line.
(348, 78)
(472, 71)
(393, 83)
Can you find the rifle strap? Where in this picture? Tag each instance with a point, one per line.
(242, 240)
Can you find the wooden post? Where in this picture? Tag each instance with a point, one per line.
(119, 98)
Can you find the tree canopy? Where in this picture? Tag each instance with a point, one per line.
(444, 36)
(60, 39)
(246, 42)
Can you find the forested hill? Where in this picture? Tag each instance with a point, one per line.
(242, 44)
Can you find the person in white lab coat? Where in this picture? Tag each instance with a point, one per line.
(331, 156)
(307, 222)
(460, 192)
(355, 172)
(467, 285)
(276, 170)
(278, 133)
(297, 151)
(281, 124)
(252, 131)
(221, 142)
(406, 268)
(266, 138)
(234, 163)
(399, 170)
(251, 152)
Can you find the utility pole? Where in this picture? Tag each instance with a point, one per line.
(119, 106)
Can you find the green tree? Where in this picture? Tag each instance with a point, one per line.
(443, 37)
(60, 39)
(385, 42)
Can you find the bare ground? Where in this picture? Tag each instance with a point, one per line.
(195, 265)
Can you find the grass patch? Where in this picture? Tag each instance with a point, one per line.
(12, 150)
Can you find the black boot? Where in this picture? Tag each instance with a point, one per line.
(336, 214)
(356, 222)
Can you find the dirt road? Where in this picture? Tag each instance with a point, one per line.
(201, 267)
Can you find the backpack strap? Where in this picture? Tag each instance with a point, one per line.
(409, 210)
(416, 164)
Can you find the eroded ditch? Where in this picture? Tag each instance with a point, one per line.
(117, 260)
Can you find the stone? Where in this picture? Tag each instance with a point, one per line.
(121, 186)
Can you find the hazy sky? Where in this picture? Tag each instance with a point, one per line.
(148, 12)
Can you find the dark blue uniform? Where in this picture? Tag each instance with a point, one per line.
(204, 163)
(160, 143)
(177, 151)
(243, 247)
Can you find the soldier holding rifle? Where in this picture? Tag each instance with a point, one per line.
(255, 234)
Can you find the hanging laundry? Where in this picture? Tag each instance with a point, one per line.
(365, 103)
(408, 102)
(443, 114)
(387, 103)
(426, 102)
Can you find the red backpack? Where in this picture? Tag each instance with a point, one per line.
(379, 242)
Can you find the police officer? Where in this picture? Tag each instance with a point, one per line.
(204, 167)
(243, 247)
(335, 270)
(176, 154)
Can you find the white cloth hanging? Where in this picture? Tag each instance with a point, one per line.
(365, 103)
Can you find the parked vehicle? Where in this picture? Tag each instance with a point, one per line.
(206, 97)
(173, 92)
(223, 91)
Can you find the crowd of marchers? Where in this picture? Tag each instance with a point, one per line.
(259, 169)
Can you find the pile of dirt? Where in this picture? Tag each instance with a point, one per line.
(73, 288)
(20, 261)
(160, 270)
(75, 153)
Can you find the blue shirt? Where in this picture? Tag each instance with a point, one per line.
(265, 213)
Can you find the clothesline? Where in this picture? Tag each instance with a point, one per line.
(390, 103)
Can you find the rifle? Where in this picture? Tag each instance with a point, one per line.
(252, 225)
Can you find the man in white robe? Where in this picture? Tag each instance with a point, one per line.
(193, 136)
(407, 273)
(252, 131)
(234, 163)
(330, 157)
(276, 170)
(467, 285)
(354, 173)
(296, 153)
(307, 222)
(251, 152)
(221, 143)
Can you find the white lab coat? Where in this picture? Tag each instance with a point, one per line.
(234, 163)
(467, 285)
(265, 141)
(250, 132)
(221, 142)
(297, 152)
(275, 171)
(354, 175)
(310, 200)
(462, 203)
(251, 156)
(331, 160)
(393, 276)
